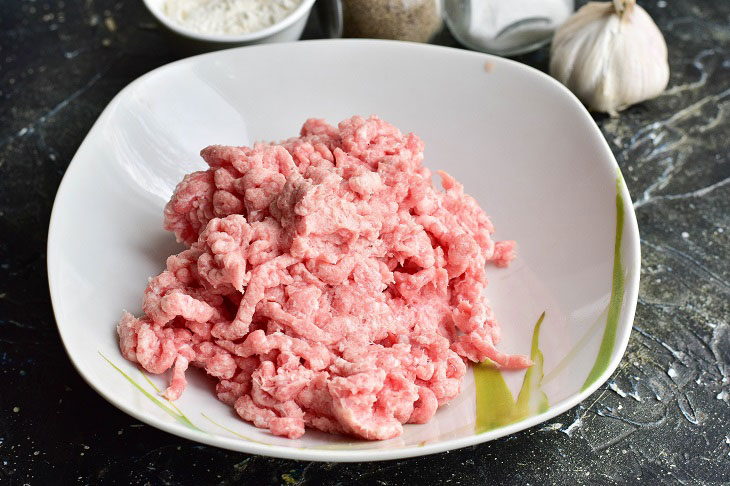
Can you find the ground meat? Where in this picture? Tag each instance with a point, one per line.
(326, 284)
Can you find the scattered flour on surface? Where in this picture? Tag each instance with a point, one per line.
(613, 386)
(570, 430)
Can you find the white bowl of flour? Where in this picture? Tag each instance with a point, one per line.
(218, 24)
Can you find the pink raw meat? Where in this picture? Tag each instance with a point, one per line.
(327, 283)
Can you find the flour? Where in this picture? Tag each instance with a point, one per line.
(228, 16)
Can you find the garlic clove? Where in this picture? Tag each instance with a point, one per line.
(611, 55)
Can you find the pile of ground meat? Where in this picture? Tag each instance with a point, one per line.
(326, 284)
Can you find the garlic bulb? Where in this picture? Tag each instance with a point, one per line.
(611, 55)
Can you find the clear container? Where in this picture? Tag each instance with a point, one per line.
(505, 27)
(409, 20)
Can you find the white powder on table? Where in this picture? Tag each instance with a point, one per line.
(228, 16)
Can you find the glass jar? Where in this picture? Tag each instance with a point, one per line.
(409, 20)
(505, 27)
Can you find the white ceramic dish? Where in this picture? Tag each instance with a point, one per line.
(519, 141)
(289, 29)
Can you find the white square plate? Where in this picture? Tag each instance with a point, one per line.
(521, 144)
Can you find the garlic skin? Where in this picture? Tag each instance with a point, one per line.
(611, 55)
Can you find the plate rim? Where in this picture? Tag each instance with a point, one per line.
(630, 244)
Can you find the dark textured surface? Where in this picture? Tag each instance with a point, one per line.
(662, 417)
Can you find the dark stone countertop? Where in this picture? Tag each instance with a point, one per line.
(663, 417)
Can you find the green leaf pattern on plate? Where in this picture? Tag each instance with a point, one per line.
(495, 405)
(174, 413)
(617, 296)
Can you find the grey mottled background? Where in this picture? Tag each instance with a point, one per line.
(663, 417)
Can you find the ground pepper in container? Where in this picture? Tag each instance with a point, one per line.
(409, 20)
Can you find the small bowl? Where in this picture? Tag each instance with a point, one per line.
(287, 30)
